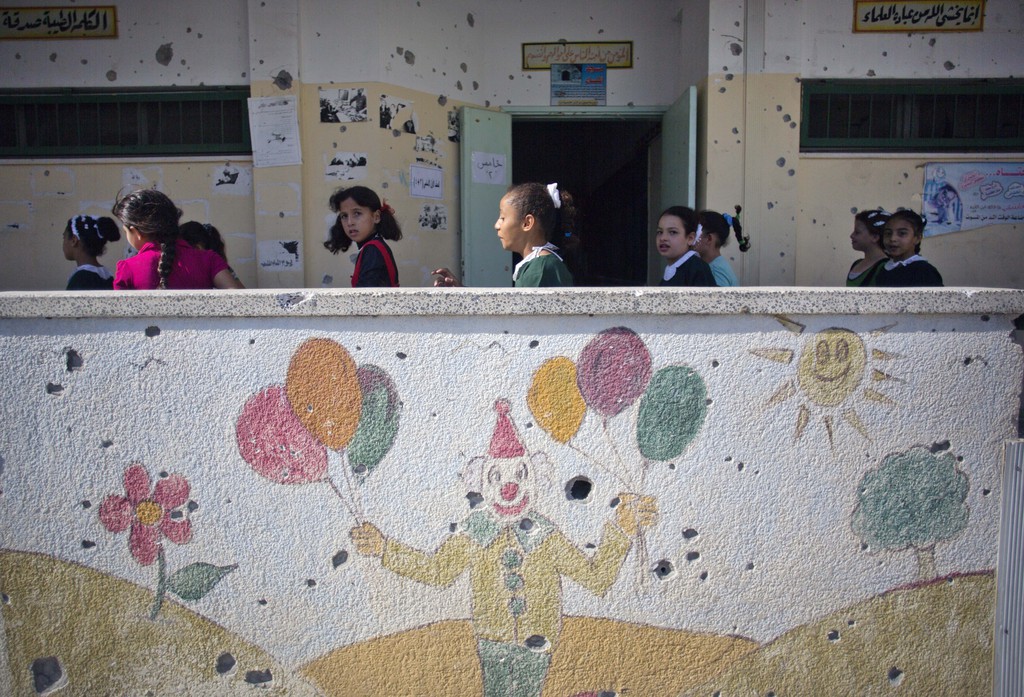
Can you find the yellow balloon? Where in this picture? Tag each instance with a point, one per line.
(555, 400)
(323, 390)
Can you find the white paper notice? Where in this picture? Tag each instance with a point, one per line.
(274, 124)
(488, 168)
(426, 182)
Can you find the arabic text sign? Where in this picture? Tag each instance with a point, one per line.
(488, 168)
(919, 16)
(91, 22)
(966, 195)
(614, 54)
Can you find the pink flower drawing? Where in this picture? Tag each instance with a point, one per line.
(148, 512)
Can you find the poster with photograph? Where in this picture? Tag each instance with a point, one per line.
(347, 166)
(433, 216)
(454, 127)
(280, 255)
(966, 195)
(274, 125)
(579, 84)
(232, 180)
(397, 114)
(342, 104)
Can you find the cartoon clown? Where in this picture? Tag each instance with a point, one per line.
(516, 558)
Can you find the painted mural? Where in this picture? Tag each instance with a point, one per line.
(729, 506)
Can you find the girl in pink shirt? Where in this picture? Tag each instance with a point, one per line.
(164, 261)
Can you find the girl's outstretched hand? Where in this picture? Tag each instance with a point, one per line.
(636, 512)
(445, 278)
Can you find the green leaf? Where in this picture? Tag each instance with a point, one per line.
(194, 581)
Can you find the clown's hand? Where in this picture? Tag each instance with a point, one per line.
(369, 540)
(635, 512)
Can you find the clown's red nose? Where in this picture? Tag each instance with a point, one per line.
(509, 491)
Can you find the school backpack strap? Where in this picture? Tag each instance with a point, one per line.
(389, 262)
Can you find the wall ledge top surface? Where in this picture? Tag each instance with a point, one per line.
(428, 302)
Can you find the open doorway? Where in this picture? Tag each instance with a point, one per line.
(605, 165)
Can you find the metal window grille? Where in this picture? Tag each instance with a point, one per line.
(911, 116)
(214, 121)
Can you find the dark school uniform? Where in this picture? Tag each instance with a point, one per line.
(375, 265)
(694, 271)
(915, 271)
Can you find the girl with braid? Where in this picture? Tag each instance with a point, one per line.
(530, 218)
(85, 238)
(164, 260)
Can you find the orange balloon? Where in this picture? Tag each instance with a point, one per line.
(555, 400)
(323, 391)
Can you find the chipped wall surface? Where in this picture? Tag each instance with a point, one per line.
(406, 492)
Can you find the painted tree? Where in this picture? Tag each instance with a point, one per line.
(914, 500)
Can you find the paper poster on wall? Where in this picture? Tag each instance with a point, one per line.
(280, 255)
(274, 124)
(426, 182)
(342, 104)
(454, 127)
(579, 84)
(232, 180)
(967, 195)
(397, 114)
(347, 166)
(433, 216)
(488, 168)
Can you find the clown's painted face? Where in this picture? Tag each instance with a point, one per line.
(508, 486)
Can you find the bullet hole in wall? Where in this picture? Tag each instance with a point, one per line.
(52, 388)
(442, 100)
(735, 49)
(833, 635)
(310, 583)
(781, 162)
(692, 556)
(410, 57)
(939, 446)
(53, 57)
(164, 54)
(112, 75)
(88, 544)
(152, 331)
(689, 533)
(579, 489)
(474, 498)
(225, 664)
(339, 559)
(259, 677)
(470, 20)
(283, 80)
(72, 360)
(401, 356)
(948, 65)
(534, 344)
(47, 675)
(663, 569)
(895, 676)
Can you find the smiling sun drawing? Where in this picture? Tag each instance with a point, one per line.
(832, 367)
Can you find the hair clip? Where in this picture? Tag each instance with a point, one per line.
(556, 198)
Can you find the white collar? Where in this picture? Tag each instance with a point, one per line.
(533, 255)
(892, 264)
(98, 270)
(670, 271)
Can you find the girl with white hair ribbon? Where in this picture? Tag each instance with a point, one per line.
(678, 233)
(531, 218)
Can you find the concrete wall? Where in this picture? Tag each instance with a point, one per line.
(748, 491)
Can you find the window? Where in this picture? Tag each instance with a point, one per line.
(212, 121)
(912, 116)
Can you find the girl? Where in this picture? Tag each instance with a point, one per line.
(678, 232)
(529, 216)
(85, 238)
(867, 238)
(164, 261)
(364, 219)
(902, 238)
(709, 245)
(206, 236)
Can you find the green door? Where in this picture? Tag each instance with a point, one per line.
(679, 152)
(485, 167)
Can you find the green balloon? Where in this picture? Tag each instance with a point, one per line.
(378, 420)
(672, 411)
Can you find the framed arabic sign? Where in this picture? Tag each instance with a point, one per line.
(614, 54)
(87, 22)
(918, 16)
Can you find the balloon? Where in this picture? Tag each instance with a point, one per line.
(614, 369)
(378, 422)
(275, 443)
(555, 400)
(671, 412)
(324, 392)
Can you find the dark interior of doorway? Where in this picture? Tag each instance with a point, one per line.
(604, 165)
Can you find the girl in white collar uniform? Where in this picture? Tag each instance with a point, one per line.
(85, 238)
(529, 216)
(678, 233)
(902, 240)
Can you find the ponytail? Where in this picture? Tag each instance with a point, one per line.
(734, 223)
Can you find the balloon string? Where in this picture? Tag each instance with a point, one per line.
(618, 455)
(344, 500)
(597, 463)
(357, 496)
(643, 557)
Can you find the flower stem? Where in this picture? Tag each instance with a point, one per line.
(161, 585)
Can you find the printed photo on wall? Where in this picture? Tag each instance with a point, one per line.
(434, 216)
(342, 105)
(280, 255)
(397, 114)
(453, 126)
(232, 180)
(347, 166)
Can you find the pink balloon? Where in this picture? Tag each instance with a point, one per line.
(275, 443)
(613, 370)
